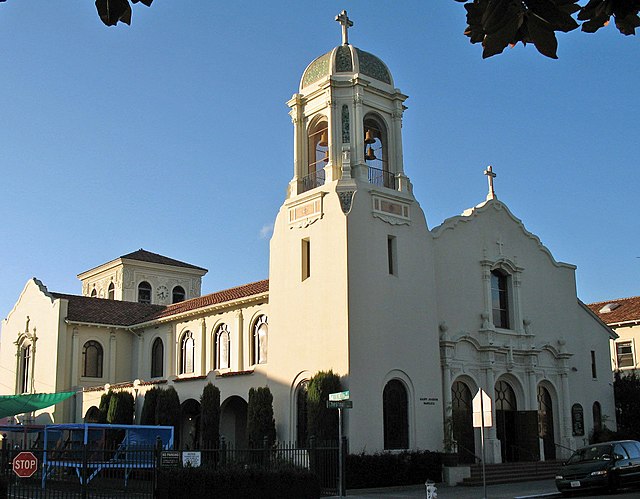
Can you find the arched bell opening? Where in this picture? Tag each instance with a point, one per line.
(376, 154)
(317, 156)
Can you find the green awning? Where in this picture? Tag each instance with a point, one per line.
(11, 405)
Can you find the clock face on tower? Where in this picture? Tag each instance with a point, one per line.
(163, 292)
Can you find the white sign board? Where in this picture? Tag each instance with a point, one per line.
(191, 458)
(482, 404)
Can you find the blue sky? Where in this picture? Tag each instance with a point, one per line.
(173, 134)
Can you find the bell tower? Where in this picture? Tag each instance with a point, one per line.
(351, 285)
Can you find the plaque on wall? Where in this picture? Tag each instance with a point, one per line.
(577, 420)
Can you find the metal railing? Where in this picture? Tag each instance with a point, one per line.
(311, 181)
(382, 178)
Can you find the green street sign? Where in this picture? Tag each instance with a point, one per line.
(339, 404)
(339, 396)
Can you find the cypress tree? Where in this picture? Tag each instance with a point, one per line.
(210, 416)
(260, 422)
(168, 410)
(105, 401)
(148, 415)
(120, 408)
(322, 422)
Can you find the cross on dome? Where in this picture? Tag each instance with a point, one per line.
(490, 176)
(346, 23)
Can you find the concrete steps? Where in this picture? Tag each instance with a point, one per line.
(513, 472)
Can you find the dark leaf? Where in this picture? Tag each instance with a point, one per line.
(543, 37)
(548, 11)
(495, 43)
(628, 25)
(148, 2)
(112, 11)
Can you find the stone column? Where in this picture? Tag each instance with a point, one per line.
(566, 431)
(112, 357)
(204, 368)
(139, 371)
(75, 356)
(169, 355)
(493, 448)
(240, 330)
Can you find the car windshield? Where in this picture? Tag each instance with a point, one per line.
(594, 453)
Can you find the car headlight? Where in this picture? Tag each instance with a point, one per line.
(598, 473)
(558, 477)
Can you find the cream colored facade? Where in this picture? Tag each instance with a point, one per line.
(409, 317)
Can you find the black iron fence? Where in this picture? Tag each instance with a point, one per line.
(83, 472)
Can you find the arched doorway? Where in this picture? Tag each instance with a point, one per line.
(395, 412)
(233, 422)
(545, 422)
(506, 417)
(190, 424)
(462, 416)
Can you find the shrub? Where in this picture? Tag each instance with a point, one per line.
(238, 483)
(322, 422)
(260, 422)
(168, 409)
(387, 469)
(148, 415)
(105, 401)
(120, 408)
(210, 416)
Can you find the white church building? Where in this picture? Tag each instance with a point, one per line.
(415, 320)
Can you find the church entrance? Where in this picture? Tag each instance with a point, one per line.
(516, 430)
(233, 422)
(545, 422)
(189, 424)
(462, 416)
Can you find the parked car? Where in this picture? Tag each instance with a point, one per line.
(608, 465)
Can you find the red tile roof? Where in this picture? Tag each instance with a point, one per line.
(143, 255)
(227, 295)
(102, 311)
(123, 313)
(627, 311)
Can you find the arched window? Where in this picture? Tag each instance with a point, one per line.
(597, 416)
(462, 421)
(500, 298)
(318, 147)
(375, 153)
(92, 360)
(260, 340)
(157, 358)
(545, 422)
(25, 368)
(178, 294)
(187, 353)
(144, 292)
(94, 293)
(112, 292)
(301, 414)
(222, 348)
(395, 409)
(505, 397)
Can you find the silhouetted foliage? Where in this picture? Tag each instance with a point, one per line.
(210, 416)
(92, 415)
(148, 415)
(120, 408)
(105, 400)
(498, 23)
(168, 409)
(260, 422)
(626, 390)
(322, 422)
(112, 11)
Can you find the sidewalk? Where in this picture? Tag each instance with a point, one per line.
(540, 488)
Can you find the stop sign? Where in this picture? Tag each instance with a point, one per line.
(25, 464)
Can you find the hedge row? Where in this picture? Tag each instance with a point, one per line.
(237, 483)
(387, 469)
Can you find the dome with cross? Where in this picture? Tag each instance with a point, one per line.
(346, 60)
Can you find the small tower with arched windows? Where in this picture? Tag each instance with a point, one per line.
(351, 278)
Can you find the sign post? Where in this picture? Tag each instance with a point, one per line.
(339, 400)
(25, 464)
(482, 418)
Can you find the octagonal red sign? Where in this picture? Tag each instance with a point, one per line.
(25, 464)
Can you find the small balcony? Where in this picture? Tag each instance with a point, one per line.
(311, 181)
(382, 178)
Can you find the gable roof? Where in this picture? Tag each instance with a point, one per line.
(628, 310)
(90, 310)
(143, 255)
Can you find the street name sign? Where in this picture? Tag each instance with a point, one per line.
(339, 404)
(339, 396)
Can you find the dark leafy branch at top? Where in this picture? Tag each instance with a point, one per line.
(112, 11)
(499, 23)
